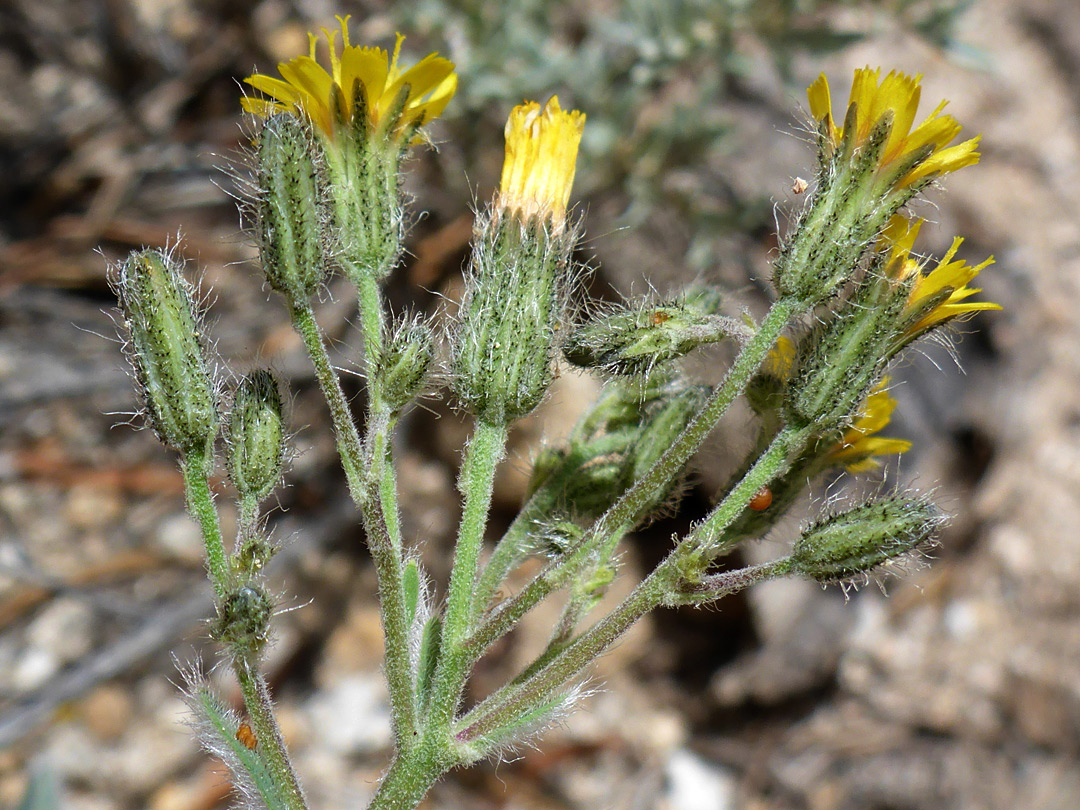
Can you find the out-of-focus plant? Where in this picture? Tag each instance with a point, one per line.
(850, 296)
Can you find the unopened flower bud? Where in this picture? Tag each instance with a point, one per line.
(404, 362)
(663, 423)
(635, 341)
(558, 537)
(166, 350)
(855, 542)
(293, 213)
(243, 618)
(254, 553)
(256, 435)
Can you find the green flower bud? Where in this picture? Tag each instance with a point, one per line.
(842, 221)
(765, 393)
(293, 215)
(841, 358)
(595, 486)
(254, 553)
(515, 299)
(166, 350)
(256, 435)
(404, 362)
(597, 468)
(243, 618)
(854, 543)
(635, 341)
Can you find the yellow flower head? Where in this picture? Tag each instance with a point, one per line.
(859, 448)
(950, 274)
(541, 158)
(899, 94)
(309, 89)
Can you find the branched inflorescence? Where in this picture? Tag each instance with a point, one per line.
(327, 178)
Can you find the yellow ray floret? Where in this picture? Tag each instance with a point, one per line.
(954, 275)
(541, 159)
(898, 93)
(860, 447)
(309, 88)
(950, 274)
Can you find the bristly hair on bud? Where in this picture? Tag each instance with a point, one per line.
(521, 270)
(847, 547)
(405, 361)
(243, 620)
(635, 340)
(255, 435)
(167, 350)
(294, 217)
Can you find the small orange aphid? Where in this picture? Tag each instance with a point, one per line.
(246, 736)
(659, 317)
(799, 186)
(762, 500)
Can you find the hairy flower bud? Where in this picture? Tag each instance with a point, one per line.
(256, 435)
(404, 362)
(662, 424)
(243, 619)
(840, 225)
(634, 341)
(254, 552)
(166, 350)
(292, 207)
(855, 542)
(839, 361)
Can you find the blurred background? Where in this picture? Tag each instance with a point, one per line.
(959, 690)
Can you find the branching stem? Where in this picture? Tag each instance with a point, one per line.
(368, 492)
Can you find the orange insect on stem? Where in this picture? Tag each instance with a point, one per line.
(762, 500)
(246, 736)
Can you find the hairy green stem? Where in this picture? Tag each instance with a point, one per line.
(260, 709)
(200, 503)
(252, 685)
(371, 323)
(506, 705)
(380, 429)
(512, 547)
(620, 517)
(405, 783)
(380, 422)
(476, 483)
(367, 492)
(775, 461)
(345, 432)
(249, 513)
